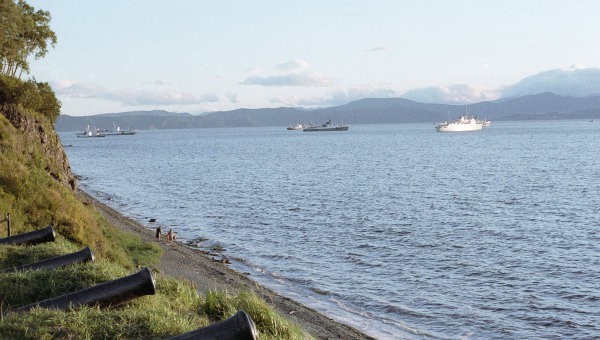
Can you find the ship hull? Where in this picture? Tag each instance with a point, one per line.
(317, 129)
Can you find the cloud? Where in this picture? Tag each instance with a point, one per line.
(339, 97)
(150, 96)
(290, 73)
(292, 65)
(153, 97)
(74, 89)
(232, 97)
(356, 93)
(378, 49)
(577, 81)
(451, 94)
(208, 98)
(291, 79)
(287, 101)
(158, 83)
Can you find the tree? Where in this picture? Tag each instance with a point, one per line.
(23, 32)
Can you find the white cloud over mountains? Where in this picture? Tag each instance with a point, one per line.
(144, 96)
(355, 93)
(291, 73)
(291, 79)
(339, 97)
(573, 81)
(576, 81)
(453, 94)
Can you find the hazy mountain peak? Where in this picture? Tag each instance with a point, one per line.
(575, 81)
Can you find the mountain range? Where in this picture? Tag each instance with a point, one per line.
(543, 106)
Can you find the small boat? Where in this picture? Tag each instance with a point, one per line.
(295, 127)
(327, 126)
(462, 124)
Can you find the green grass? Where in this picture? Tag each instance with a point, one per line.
(176, 308)
(173, 310)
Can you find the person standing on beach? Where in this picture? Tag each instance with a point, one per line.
(169, 236)
(158, 232)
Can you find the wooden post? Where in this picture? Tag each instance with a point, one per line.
(8, 222)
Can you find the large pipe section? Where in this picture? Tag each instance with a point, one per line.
(111, 293)
(238, 327)
(33, 237)
(84, 255)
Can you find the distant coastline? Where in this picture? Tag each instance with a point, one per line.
(544, 106)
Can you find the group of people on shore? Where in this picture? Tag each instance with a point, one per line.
(171, 235)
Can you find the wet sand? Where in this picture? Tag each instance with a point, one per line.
(187, 263)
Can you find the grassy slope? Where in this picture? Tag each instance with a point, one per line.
(33, 189)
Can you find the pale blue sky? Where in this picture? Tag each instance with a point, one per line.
(199, 56)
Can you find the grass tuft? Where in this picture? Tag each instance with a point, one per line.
(270, 325)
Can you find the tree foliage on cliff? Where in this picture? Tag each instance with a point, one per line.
(30, 94)
(23, 32)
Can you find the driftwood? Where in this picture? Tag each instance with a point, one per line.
(84, 255)
(238, 327)
(111, 293)
(33, 237)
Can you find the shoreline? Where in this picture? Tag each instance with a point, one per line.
(185, 263)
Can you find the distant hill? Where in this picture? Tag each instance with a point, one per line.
(541, 104)
(365, 111)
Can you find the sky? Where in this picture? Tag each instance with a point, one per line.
(201, 56)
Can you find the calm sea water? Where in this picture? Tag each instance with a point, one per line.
(397, 230)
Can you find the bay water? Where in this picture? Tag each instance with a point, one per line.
(397, 230)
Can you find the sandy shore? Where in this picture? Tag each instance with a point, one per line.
(186, 263)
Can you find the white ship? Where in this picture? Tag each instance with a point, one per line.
(463, 123)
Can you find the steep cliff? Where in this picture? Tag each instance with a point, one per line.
(35, 138)
(36, 184)
(37, 187)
